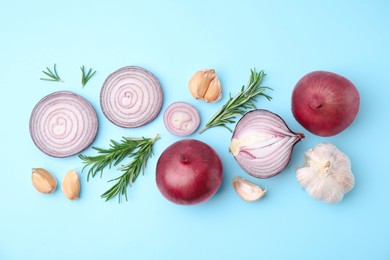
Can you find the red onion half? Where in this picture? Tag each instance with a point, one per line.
(63, 124)
(131, 97)
(181, 118)
(262, 143)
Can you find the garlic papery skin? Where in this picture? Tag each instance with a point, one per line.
(248, 191)
(326, 173)
(43, 181)
(204, 84)
(71, 185)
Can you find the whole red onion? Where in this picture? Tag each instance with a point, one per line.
(325, 103)
(189, 172)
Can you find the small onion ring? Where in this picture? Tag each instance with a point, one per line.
(262, 143)
(131, 97)
(181, 119)
(63, 124)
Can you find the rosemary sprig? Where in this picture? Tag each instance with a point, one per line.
(85, 77)
(139, 149)
(239, 104)
(53, 76)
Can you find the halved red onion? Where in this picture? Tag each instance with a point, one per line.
(63, 124)
(262, 143)
(181, 118)
(131, 97)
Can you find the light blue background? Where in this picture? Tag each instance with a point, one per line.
(173, 39)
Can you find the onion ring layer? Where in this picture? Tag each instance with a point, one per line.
(131, 97)
(63, 124)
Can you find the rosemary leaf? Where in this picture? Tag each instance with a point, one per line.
(85, 77)
(52, 76)
(239, 104)
(139, 149)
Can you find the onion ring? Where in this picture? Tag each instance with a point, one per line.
(181, 118)
(63, 124)
(131, 97)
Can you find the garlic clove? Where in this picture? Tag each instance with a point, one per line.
(214, 91)
(43, 181)
(247, 190)
(71, 185)
(204, 84)
(199, 82)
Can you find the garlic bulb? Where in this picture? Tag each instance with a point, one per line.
(326, 173)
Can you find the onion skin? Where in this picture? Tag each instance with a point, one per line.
(131, 97)
(63, 124)
(325, 103)
(262, 143)
(189, 172)
(181, 118)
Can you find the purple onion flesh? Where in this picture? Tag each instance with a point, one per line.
(63, 124)
(131, 97)
(262, 143)
(181, 119)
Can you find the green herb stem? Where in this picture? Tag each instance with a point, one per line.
(139, 149)
(53, 75)
(239, 104)
(86, 76)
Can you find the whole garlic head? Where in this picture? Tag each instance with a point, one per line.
(326, 173)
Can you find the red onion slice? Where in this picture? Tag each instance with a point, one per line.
(131, 97)
(181, 119)
(262, 143)
(63, 124)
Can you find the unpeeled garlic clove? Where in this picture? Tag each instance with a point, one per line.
(247, 190)
(205, 85)
(43, 181)
(71, 185)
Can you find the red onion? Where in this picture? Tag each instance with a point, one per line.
(262, 143)
(181, 118)
(131, 97)
(189, 172)
(63, 124)
(325, 103)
